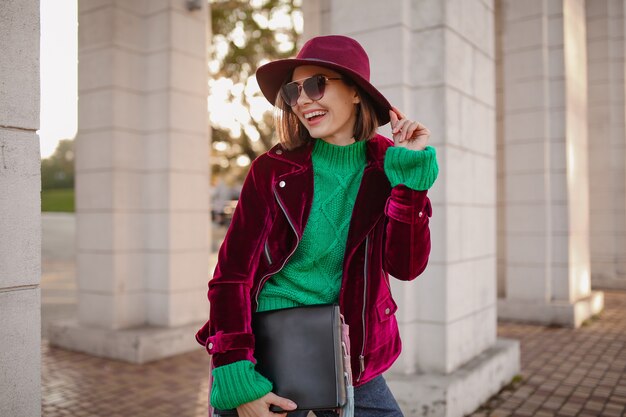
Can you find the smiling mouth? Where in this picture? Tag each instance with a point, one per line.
(314, 116)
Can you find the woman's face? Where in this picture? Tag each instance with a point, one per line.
(332, 117)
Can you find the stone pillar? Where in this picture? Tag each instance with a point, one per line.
(436, 63)
(544, 249)
(142, 180)
(607, 142)
(20, 210)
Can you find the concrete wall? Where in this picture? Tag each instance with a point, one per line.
(142, 164)
(607, 142)
(142, 180)
(544, 192)
(20, 210)
(450, 314)
(435, 62)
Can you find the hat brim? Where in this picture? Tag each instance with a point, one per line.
(272, 75)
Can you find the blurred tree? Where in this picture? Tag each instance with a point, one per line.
(57, 171)
(246, 34)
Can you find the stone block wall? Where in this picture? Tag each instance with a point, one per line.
(20, 210)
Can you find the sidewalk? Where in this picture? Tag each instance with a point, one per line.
(568, 372)
(565, 372)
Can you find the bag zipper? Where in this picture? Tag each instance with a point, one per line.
(362, 355)
(266, 276)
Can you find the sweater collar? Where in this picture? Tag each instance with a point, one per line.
(337, 157)
(375, 152)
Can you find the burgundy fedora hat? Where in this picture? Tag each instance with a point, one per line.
(339, 53)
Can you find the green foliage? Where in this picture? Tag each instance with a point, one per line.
(229, 17)
(245, 35)
(517, 379)
(60, 200)
(57, 171)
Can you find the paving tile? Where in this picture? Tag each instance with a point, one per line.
(594, 405)
(583, 391)
(544, 414)
(614, 408)
(536, 399)
(552, 404)
(569, 407)
(564, 390)
(510, 404)
(565, 372)
(618, 399)
(524, 413)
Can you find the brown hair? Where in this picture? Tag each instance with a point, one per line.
(292, 133)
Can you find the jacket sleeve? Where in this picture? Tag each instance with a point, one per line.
(408, 209)
(407, 240)
(228, 334)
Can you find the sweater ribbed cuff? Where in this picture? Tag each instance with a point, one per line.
(417, 170)
(237, 383)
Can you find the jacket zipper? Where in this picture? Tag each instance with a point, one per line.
(266, 276)
(387, 282)
(267, 253)
(362, 355)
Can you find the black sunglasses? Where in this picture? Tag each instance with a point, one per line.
(313, 87)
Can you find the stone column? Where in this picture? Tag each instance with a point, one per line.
(20, 210)
(142, 180)
(607, 142)
(544, 251)
(436, 63)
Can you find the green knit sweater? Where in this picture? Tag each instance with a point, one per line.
(313, 273)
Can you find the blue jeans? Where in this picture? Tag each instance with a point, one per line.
(372, 399)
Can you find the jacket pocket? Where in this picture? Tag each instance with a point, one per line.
(385, 309)
(429, 208)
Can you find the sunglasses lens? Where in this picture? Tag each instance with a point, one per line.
(314, 87)
(289, 93)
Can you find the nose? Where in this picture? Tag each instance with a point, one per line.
(302, 97)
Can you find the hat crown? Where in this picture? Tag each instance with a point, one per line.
(336, 52)
(339, 50)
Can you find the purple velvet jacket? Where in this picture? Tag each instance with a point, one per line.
(388, 234)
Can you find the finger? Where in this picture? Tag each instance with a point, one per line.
(420, 133)
(398, 112)
(419, 130)
(405, 130)
(393, 117)
(398, 126)
(408, 130)
(284, 403)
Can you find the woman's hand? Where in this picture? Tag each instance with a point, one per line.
(261, 407)
(407, 133)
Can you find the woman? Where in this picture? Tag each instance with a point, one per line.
(323, 217)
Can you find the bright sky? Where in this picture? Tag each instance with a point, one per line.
(59, 56)
(58, 73)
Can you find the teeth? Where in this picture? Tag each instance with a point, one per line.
(315, 113)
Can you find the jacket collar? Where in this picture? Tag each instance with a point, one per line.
(301, 156)
(370, 200)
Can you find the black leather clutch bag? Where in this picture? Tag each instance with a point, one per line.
(299, 350)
